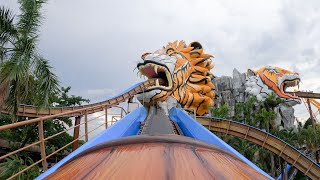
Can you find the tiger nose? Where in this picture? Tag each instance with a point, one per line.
(144, 55)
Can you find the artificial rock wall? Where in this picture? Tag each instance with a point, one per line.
(231, 90)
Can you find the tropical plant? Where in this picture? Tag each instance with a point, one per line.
(25, 76)
(310, 138)
(261, 115)
(28, 134)
(245, 111)
(14, 164)
(288, 135)
(264, 118)
(7, 31)
(222, 112)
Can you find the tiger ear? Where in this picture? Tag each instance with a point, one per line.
(250, 73)
(196, 45)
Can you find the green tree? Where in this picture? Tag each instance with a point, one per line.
(7, 31)
(222, 112)
(245, 111)
(14, 164)
(29, 133)
(261, 115)
(310, 138)
(263, 118)
(25, 76)
(288, 135)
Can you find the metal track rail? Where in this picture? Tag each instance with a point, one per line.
(33, 111)
(266, 140)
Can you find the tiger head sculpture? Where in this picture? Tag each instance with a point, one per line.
(185, 73)
(273, 79)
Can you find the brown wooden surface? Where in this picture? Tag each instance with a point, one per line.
(275, 145)
(181, 159)
(306, 94)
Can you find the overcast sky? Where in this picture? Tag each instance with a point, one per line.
(94, 45)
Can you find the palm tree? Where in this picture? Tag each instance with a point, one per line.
(25, 76)
(288, 135)
(7, 32)
(310, 137)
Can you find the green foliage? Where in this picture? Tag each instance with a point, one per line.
(307, 123)
(262, 116)
(272, 101)
(245, 111)
(310, 137)
(222, 112)
(25, 76)
(258, 114)
(14, 164)
(289, 136)
(65, 100)
(7, 30)
(29, 133)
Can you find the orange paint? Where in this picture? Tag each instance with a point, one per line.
(195, 74)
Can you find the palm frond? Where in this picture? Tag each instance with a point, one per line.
(8, 32)
(25, 76)
(30, 17)
(7, 27)
(47, 81)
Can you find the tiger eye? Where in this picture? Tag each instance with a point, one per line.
(169, 51)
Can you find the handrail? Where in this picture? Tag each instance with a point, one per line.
(33, 111)
(266, 140)
(88, 108)
(78, 112)
(44, 156)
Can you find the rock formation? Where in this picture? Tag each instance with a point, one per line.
(231, 90)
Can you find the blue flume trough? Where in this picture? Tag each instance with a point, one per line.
(127, 126)
(194, 129)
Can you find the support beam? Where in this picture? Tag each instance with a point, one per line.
(86, 126)
(310, 112)
(42, 146)
(76, 131)
(106, 117)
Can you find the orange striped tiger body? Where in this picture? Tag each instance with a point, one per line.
(186, 73)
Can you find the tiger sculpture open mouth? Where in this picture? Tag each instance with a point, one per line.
(290, 84)
(182, 72)
(273, 79)
(159, 71)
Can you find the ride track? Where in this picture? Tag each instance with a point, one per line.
(266, 140)
(73, 111)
